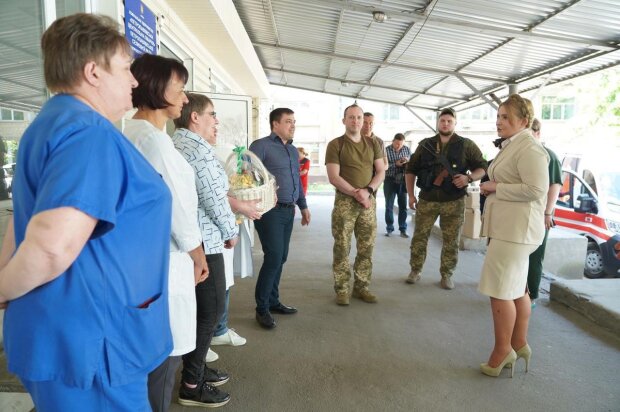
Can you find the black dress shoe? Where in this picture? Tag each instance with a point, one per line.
(283, 309)
(265, 320)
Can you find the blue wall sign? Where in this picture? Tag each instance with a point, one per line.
(140, 28)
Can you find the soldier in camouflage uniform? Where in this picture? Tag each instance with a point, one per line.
(440, 164)
(355, 167)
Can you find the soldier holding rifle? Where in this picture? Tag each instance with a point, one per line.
(442, 167)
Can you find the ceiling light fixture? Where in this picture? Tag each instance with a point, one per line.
(378, 16)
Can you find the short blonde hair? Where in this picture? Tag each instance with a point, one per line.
(521, 107)
(72, 41)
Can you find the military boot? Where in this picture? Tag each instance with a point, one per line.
(446, 283)
(413, 277)
(342, 298)
(365, 295)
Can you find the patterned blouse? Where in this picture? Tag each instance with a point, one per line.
(215, 217)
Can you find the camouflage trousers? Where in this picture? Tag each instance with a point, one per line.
(349, 217)
(450, 220)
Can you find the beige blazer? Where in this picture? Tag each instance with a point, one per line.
(515, 212)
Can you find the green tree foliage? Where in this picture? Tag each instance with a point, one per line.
(608, 105)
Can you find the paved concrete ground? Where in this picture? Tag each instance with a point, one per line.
(418, 349)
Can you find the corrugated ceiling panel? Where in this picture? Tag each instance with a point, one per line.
(422, 100)
(409, 6)
(298, 61)
(498, 13)
(453, 86)
(523, 56)
(361, 71)
(447, 48)
(594, 19)
(256, 19)
(269, 57)
(386, 95)
(361, 37)
(471, 36)
(303, 24)
(275, 77)
(588, 66)
(341, 69)
(21, 68)
(339, 89)
(403, 78)
(297, 80)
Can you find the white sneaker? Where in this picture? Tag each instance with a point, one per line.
(211, 356)
(229, 338)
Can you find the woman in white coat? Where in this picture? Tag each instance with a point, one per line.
(160, 97)
(513, 222)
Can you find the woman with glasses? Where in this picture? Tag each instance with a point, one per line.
(196, 133)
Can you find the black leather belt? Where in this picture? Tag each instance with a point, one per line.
(285, 205)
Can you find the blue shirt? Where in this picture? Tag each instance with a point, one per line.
(89, 316)
(215, 217)
(282, 161)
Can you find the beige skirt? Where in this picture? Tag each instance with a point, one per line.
(504, 272)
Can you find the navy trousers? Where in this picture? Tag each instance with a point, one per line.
(274, 231)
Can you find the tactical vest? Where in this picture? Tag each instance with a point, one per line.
(430, 167)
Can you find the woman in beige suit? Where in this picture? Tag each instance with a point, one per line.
(512, 220)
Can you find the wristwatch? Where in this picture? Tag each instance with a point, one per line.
(370, 190)
(469, 179)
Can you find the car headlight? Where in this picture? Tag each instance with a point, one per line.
(613, 226)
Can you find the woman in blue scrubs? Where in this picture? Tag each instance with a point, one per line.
(84, 263)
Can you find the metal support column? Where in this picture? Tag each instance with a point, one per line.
(513, 88)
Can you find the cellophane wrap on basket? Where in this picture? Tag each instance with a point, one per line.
(250, 180)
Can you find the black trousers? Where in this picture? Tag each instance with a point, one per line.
(210, 303)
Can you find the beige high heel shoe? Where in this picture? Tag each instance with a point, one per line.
(525, 353)
(511, 358)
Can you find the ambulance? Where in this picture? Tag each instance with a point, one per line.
(589, 205)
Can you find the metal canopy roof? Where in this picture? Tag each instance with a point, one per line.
(430, 54)
(21, 74)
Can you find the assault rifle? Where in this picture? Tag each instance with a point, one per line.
(446, 169)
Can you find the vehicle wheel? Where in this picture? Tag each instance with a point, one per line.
(594, 262)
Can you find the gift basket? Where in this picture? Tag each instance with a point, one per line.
(250, 180)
